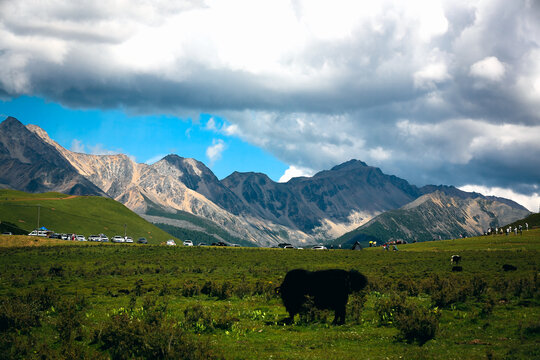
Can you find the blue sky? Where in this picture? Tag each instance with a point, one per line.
(433, 91)
(146, 138)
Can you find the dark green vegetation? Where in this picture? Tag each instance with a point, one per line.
(83, 301)
(533, 220)
(84, 215)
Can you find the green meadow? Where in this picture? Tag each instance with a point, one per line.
(60, 300)
(85, 215)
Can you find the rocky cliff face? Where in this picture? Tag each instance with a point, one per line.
(29, 164)
(327, 204)
(174, 183)
(439, 216)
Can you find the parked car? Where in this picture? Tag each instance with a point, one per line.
(129, 239)
(94, 238)
(7, 233)
(288, 247)
(38, 233)
(64, 237)
(142, 240)
(103, 238)
(80, 238)
(220, 243)
(319, 247)
(202, 244)
(171, 242)
(188, 243)
(118, 239)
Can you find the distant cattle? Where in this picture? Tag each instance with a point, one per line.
(329, 289)
(508, 267)
(455, 259)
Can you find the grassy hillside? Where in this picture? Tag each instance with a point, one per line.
(530, 240)
(91, 301)
(533, 220)
(84, 215)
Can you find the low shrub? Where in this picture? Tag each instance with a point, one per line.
(355, 307)
(388, 306)
(17, 315)
(148, 333)
(70, 318)
(200, 320)
(416, 323)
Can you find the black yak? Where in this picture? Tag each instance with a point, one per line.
(508, 267)
(455, 259)
(329, 289)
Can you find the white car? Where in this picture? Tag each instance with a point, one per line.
(188, 243)
(171, 242)
(118, 239)
(94, 238)
(129, 239)
(103, 238)
(319, 247)
(38, 233)
(80, 238)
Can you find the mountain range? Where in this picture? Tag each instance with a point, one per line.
(184, 194)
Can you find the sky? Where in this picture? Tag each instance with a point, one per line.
(435, 92)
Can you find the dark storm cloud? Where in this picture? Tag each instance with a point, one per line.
(434, 96)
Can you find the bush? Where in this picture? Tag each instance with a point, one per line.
(190, 289)
(70, 318)
(355, 307)
(148, 333)
(18, 316)
(199, 319)
(388, 306)
(416, 323)
(446, 291)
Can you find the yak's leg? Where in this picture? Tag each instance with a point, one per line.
(339, 317)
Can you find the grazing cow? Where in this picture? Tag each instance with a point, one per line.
(508, 267)
(455, 259)
(329, 289)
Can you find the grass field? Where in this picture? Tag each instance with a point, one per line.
(84, 215)
(61, 300)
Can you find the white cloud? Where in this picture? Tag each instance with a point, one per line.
(99, 149)
(154, 159)
(214, 151)
(211, 125)
(489, 68)
(379, 154)
(431, 75)
(312, 82)
(294, 171)
(531, 202)
(77, 146)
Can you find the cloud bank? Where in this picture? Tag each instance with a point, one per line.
(432, 91)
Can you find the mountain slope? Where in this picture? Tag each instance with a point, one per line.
(329, 203)
(252, 207)
(141, 187)
(28, 163)
(437, 216)
(75, 214)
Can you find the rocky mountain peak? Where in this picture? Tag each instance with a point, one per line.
(351, 164)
